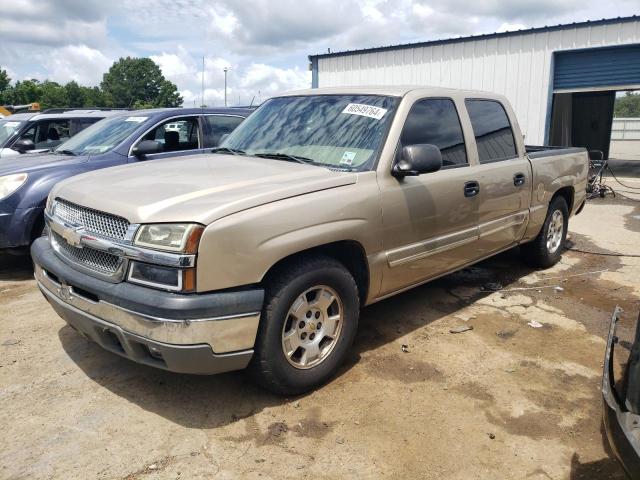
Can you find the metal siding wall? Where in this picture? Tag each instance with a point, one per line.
(517, 66)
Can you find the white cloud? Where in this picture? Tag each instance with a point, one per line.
(80, 63)
(263, 43)
(510, 27)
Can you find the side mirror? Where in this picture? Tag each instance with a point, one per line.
(418, 159)
(147, 147)
(24, 145)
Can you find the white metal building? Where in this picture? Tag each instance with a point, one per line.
(578, 67)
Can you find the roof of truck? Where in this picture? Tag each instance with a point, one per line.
(390, 90)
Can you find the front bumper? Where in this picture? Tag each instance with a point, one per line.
(622, 423)
(195, 333)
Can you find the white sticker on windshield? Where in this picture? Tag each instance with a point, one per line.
(347, 158)
(136, 119)
(365, 110)
(11, 124)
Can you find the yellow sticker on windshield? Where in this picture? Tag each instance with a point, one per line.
(365, 110)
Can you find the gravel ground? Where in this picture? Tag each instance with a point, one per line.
(503, 400)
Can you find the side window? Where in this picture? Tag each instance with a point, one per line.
(219, 125)
(491, 127)
(48, 134)
(435, 121)
(176, 135)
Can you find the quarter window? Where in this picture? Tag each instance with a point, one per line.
(491, 127)
(435, 121)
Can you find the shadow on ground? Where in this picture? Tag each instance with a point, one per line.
(15, 268)
(212, 401)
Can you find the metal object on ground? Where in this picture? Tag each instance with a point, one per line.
(621, 403)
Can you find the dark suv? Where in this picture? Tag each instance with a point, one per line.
(127, 137)
(35, 132)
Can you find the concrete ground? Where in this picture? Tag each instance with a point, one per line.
(516, 397)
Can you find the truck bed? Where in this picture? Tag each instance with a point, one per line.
(539, 151)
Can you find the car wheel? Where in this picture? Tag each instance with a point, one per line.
(307, 327)
(545, 250)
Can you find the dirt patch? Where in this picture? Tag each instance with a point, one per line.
(404, 369)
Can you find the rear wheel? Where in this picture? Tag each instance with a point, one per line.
(545, 250)
(307, 327)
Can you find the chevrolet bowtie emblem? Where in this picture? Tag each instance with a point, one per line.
(73, 236)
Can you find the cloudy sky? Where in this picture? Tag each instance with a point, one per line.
(264, 43)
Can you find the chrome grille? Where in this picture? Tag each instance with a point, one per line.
(93, 221)
(101, 262)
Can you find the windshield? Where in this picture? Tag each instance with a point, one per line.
(8, 128)
(338, 131)
(102, 136)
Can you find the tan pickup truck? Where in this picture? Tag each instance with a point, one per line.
(323, 201)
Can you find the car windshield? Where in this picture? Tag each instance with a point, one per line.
(7, 128)
(102, 136)
(338, 131)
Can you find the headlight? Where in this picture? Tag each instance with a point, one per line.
(174, 237)
(166, 278)
(11, 183)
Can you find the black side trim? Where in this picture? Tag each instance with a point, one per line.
(148, 301)
(540, 151)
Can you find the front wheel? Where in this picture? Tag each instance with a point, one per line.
(545, 250)
(307, 327)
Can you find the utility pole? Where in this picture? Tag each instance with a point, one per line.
(225, 86)
(202, 91)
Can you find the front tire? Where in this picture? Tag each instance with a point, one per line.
(308, 325)
(545, 250)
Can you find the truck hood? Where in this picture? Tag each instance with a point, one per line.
(200, 188)
(33, 163)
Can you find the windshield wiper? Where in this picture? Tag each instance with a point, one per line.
(66, 152)
(285, 156)
(232, 151)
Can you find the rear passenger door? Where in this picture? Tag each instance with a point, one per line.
(430, 226)
(503, 175)
(217, 126)
(178, 136)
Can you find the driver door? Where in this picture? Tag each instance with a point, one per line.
(430, 221)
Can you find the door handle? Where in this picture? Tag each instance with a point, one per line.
(471, 189)
(519, 179)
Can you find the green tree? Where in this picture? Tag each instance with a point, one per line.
(93, 97)
(132, 81)
(627, 106)
(5, 85)
(168, 95)
(26, 91)
(53, 95)
(75, 94)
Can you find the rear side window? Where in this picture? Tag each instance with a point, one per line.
(491, 127)
(435, 121)
(219, 125)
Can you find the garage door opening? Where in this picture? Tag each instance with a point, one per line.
(583, 119)
(585, 84)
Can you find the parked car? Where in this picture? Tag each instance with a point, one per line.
(621, 401)
(321, 202)
(35, 132)
(128, 137)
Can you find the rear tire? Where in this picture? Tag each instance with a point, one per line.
(545, 250)
(307, 327)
